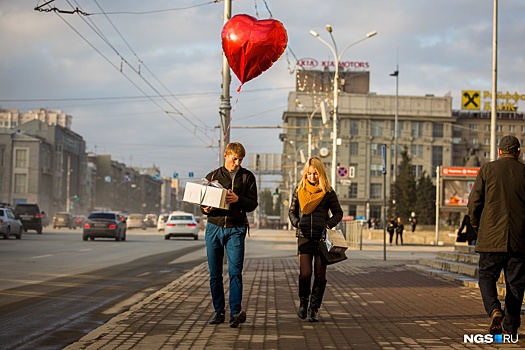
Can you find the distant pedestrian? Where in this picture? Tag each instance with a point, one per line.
(399, 230)
(413, 221)
(391, 228)
(313, 209)
(470, 234)
(496, 207)
(226, 231)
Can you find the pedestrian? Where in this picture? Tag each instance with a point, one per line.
(496, 207)
(226, 231)
(470, 234)
(413, 221)
(399, 230)
(391, 228)
(312, 202)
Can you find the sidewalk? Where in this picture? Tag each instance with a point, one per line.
(369, 303)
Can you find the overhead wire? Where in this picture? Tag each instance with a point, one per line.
(95, 28)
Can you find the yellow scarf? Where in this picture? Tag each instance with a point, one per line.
(309, 197)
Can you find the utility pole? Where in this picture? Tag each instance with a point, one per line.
(68, 184)
(225, 106)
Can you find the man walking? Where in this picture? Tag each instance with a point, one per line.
(496, 208)
(226, 230)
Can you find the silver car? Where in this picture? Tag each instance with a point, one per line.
(181, 224)
(10, 224)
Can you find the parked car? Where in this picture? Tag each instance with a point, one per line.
(10, 224)
(136, 221)
(161, 221)
(79, 220)
(30, 216)
(104, 225)
(151, 220)
(63, 219)
(181, 224)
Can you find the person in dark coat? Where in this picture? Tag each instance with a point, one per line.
(399, 230)
(226, 232)
(470, 234)
(496, 207)
(391, 228)
(312, 203)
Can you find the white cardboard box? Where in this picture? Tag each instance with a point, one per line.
(205, 195)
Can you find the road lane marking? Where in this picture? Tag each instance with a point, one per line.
(41, 256)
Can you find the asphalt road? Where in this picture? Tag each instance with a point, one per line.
(55, 288)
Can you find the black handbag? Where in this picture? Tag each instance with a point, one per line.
(461, 237)
(330, 258)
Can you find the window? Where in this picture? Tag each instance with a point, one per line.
(487, 127)
(416, 129)
(487, 141)
(20, 183)
(437, 130)
(377, 128)
(499, 128)
(437, 158)
(376, 169)
(416, 171)
(21, 158)
(376, 212)
(393, 128)
(512, 128)
(352, 210)
(522, 129)
(375, 149)
(354, 127)
(473, 127)
(376, 191)
(352, 190)
(416, 151)
(354, 148)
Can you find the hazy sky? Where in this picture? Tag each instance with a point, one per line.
(73, 63)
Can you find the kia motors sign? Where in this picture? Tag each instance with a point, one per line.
(312, 63)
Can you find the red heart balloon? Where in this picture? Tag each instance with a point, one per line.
(252, 46)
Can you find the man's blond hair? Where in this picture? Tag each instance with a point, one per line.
(235, 148)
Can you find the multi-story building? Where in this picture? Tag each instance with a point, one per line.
(43, 164)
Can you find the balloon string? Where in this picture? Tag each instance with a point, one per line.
(227, 129)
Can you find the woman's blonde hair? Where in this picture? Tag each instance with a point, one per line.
(317, 163)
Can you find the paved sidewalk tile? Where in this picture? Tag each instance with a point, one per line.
(369, 304)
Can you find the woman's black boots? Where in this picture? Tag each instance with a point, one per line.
(316, 299)
(304, 295)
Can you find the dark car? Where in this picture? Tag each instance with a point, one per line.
(104, 225)
(63, 219)
(30, 216)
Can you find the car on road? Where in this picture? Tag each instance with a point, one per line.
(79, 221)
(30, 216)
(161, 221)
(150, 220)
(181, 224)
(104, 225)
(135, 221)
(10, 224)
(63, 219)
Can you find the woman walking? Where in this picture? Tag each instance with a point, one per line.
(312, 202)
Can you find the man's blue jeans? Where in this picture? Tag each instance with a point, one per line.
(230, 239)
(513, 266)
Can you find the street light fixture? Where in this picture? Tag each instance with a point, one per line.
(322, 107)
(337, 57)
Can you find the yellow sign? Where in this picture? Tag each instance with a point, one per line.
(471, 99)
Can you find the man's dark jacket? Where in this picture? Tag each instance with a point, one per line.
(313, 225)
(245, 187)
(496, 206)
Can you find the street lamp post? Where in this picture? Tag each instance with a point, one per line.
(321, 106)
(337, 57)
(396, 74)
